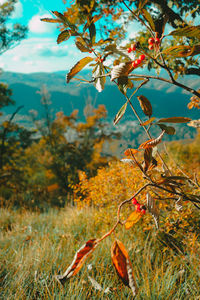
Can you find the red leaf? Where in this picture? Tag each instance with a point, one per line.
(123, 265)
(78, 261)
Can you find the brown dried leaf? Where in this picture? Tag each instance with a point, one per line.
(151, 206)
(78, 67)
(123, 265)
(49, 20)
(152, 142)
(147, 158)
(63, 36)
(182, 51)
(81, 47)
(189, 31)
(174, 120)
(145, 105)
(79, 259)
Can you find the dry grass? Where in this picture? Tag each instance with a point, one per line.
(36, 246)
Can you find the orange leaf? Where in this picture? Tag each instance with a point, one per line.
(123, 265)
(78, 261)
(152, 142)
(130, 152)
(133, 219)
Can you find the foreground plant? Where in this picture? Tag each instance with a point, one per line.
(161, 183)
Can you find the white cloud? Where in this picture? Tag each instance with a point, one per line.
(37, 26)
(40, 55)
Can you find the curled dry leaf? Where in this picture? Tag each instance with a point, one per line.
(123, 265)
(79, 259)
(120, 70)
(178, 204)
(152, 142)
(133, 219)
(151, 206)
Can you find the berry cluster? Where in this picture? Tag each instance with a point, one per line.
(138, 61)
(132, 48)
(153, 42)
(139, 207)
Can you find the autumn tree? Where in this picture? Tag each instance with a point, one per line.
(69, 146)
(10, 133)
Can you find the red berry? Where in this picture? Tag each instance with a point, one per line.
(151, 41)
(137, 62)
(133, 48)
(134, 201)
(138, 207)
(157, 40)
(143, 211)
(134, 64)
(129, 50)
(150, 47)
(142, 57)
(102, 60)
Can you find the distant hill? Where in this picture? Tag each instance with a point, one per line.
(166, 100)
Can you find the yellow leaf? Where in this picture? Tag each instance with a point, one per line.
(133, 219)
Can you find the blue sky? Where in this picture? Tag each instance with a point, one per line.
(39, 52)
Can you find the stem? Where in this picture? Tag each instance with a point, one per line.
(129, 200)
(168, 81)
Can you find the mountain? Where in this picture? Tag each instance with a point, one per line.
(167, 100)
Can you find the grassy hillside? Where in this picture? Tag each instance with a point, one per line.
(36, 247)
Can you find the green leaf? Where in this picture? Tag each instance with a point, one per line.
(63, 36)
(78, 67)
(81, 47)
(188, 31)
(149, 19)
(174, 120)
(49, 20)
(120, 113)
(168, 129)
(145, 105)
(92, 31)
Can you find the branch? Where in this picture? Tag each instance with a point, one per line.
(193, 71)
